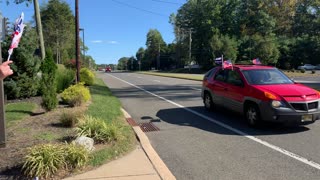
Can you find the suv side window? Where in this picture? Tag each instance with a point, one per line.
(234, 78)
(210, 73)
(221, 75)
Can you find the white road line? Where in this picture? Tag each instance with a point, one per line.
(156, 80)
(195, 89)
(276, 148)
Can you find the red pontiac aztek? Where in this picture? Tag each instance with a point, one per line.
(261, 93)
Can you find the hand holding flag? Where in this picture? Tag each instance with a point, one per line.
(17, 33)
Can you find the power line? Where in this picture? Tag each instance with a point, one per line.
(160, 1)
(140, 9)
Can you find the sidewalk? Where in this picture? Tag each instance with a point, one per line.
(143, 163)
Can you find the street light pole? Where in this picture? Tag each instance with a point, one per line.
(83, 46)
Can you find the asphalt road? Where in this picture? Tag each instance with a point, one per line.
(196, 144)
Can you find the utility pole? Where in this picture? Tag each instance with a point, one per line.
(190, 40)
(158, 57)
(39, 28)
(2, 116)
(83, 46)
(77, 42)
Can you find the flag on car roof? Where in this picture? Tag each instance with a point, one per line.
(256, 61)
(17, 33)
(218, 60)
(227, 63)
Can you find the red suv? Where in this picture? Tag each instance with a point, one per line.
(261, 93)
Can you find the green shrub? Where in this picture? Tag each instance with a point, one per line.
(76, 156)
(313, 71)
(48, 87)
(86, 76)
(70, 118)
(44, 160)
(97, 129)
(64, 78)
(76, 95)
(302, 70)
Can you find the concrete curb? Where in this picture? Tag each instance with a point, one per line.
(156, 161)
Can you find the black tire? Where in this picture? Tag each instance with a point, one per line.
(252, 115)
(207, 100)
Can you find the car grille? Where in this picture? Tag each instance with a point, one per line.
(305, 106)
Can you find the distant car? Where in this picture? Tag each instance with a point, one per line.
(307, 67)
(261, 93)
(108, 69)
(318, 66)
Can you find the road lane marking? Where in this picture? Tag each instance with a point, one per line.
(195, 89)
(276, 148)
(156, 80)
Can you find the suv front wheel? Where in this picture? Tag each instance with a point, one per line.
(252, 114)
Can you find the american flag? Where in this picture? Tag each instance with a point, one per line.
(256, 61)
(227, 63)
(16, 36)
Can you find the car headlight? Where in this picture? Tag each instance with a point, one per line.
(277, 104)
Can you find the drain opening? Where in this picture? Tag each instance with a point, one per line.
(148, 127)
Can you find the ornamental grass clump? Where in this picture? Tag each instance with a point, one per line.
(70, 118)
(100, 131)
(44, 160)
(76, 95)
(76, 156)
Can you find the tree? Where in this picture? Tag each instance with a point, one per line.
(58, 25)
(24, 82)
(155, 45)
(122, 63)
(48, 87)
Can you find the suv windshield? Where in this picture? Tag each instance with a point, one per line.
(266, 76)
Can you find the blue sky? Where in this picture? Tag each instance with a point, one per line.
(114, 28)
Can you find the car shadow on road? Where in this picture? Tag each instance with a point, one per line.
(230, 120)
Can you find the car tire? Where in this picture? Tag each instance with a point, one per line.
(207, 100)
(252, 115)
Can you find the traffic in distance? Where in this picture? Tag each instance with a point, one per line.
(260, 93)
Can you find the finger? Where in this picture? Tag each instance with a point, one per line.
(7, 62)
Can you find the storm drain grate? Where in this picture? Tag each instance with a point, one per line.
(132, 122)
(147, 127)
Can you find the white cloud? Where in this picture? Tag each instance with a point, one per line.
(113, 42)
(97, 41)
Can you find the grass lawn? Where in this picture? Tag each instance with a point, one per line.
(17, 111)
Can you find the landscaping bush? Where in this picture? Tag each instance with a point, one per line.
(99, 130)
(48, 88)
(76, 156)
(313, 71)
(70, 118)
(302, 70)
(44, 160)
(86, 76)
(76, 95)
(64, 78)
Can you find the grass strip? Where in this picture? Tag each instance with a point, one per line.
(107, 107)
(196, 77)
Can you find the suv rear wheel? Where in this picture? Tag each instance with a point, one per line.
(252, 114)
(207, 100)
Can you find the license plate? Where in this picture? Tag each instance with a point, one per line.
(307, 117)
